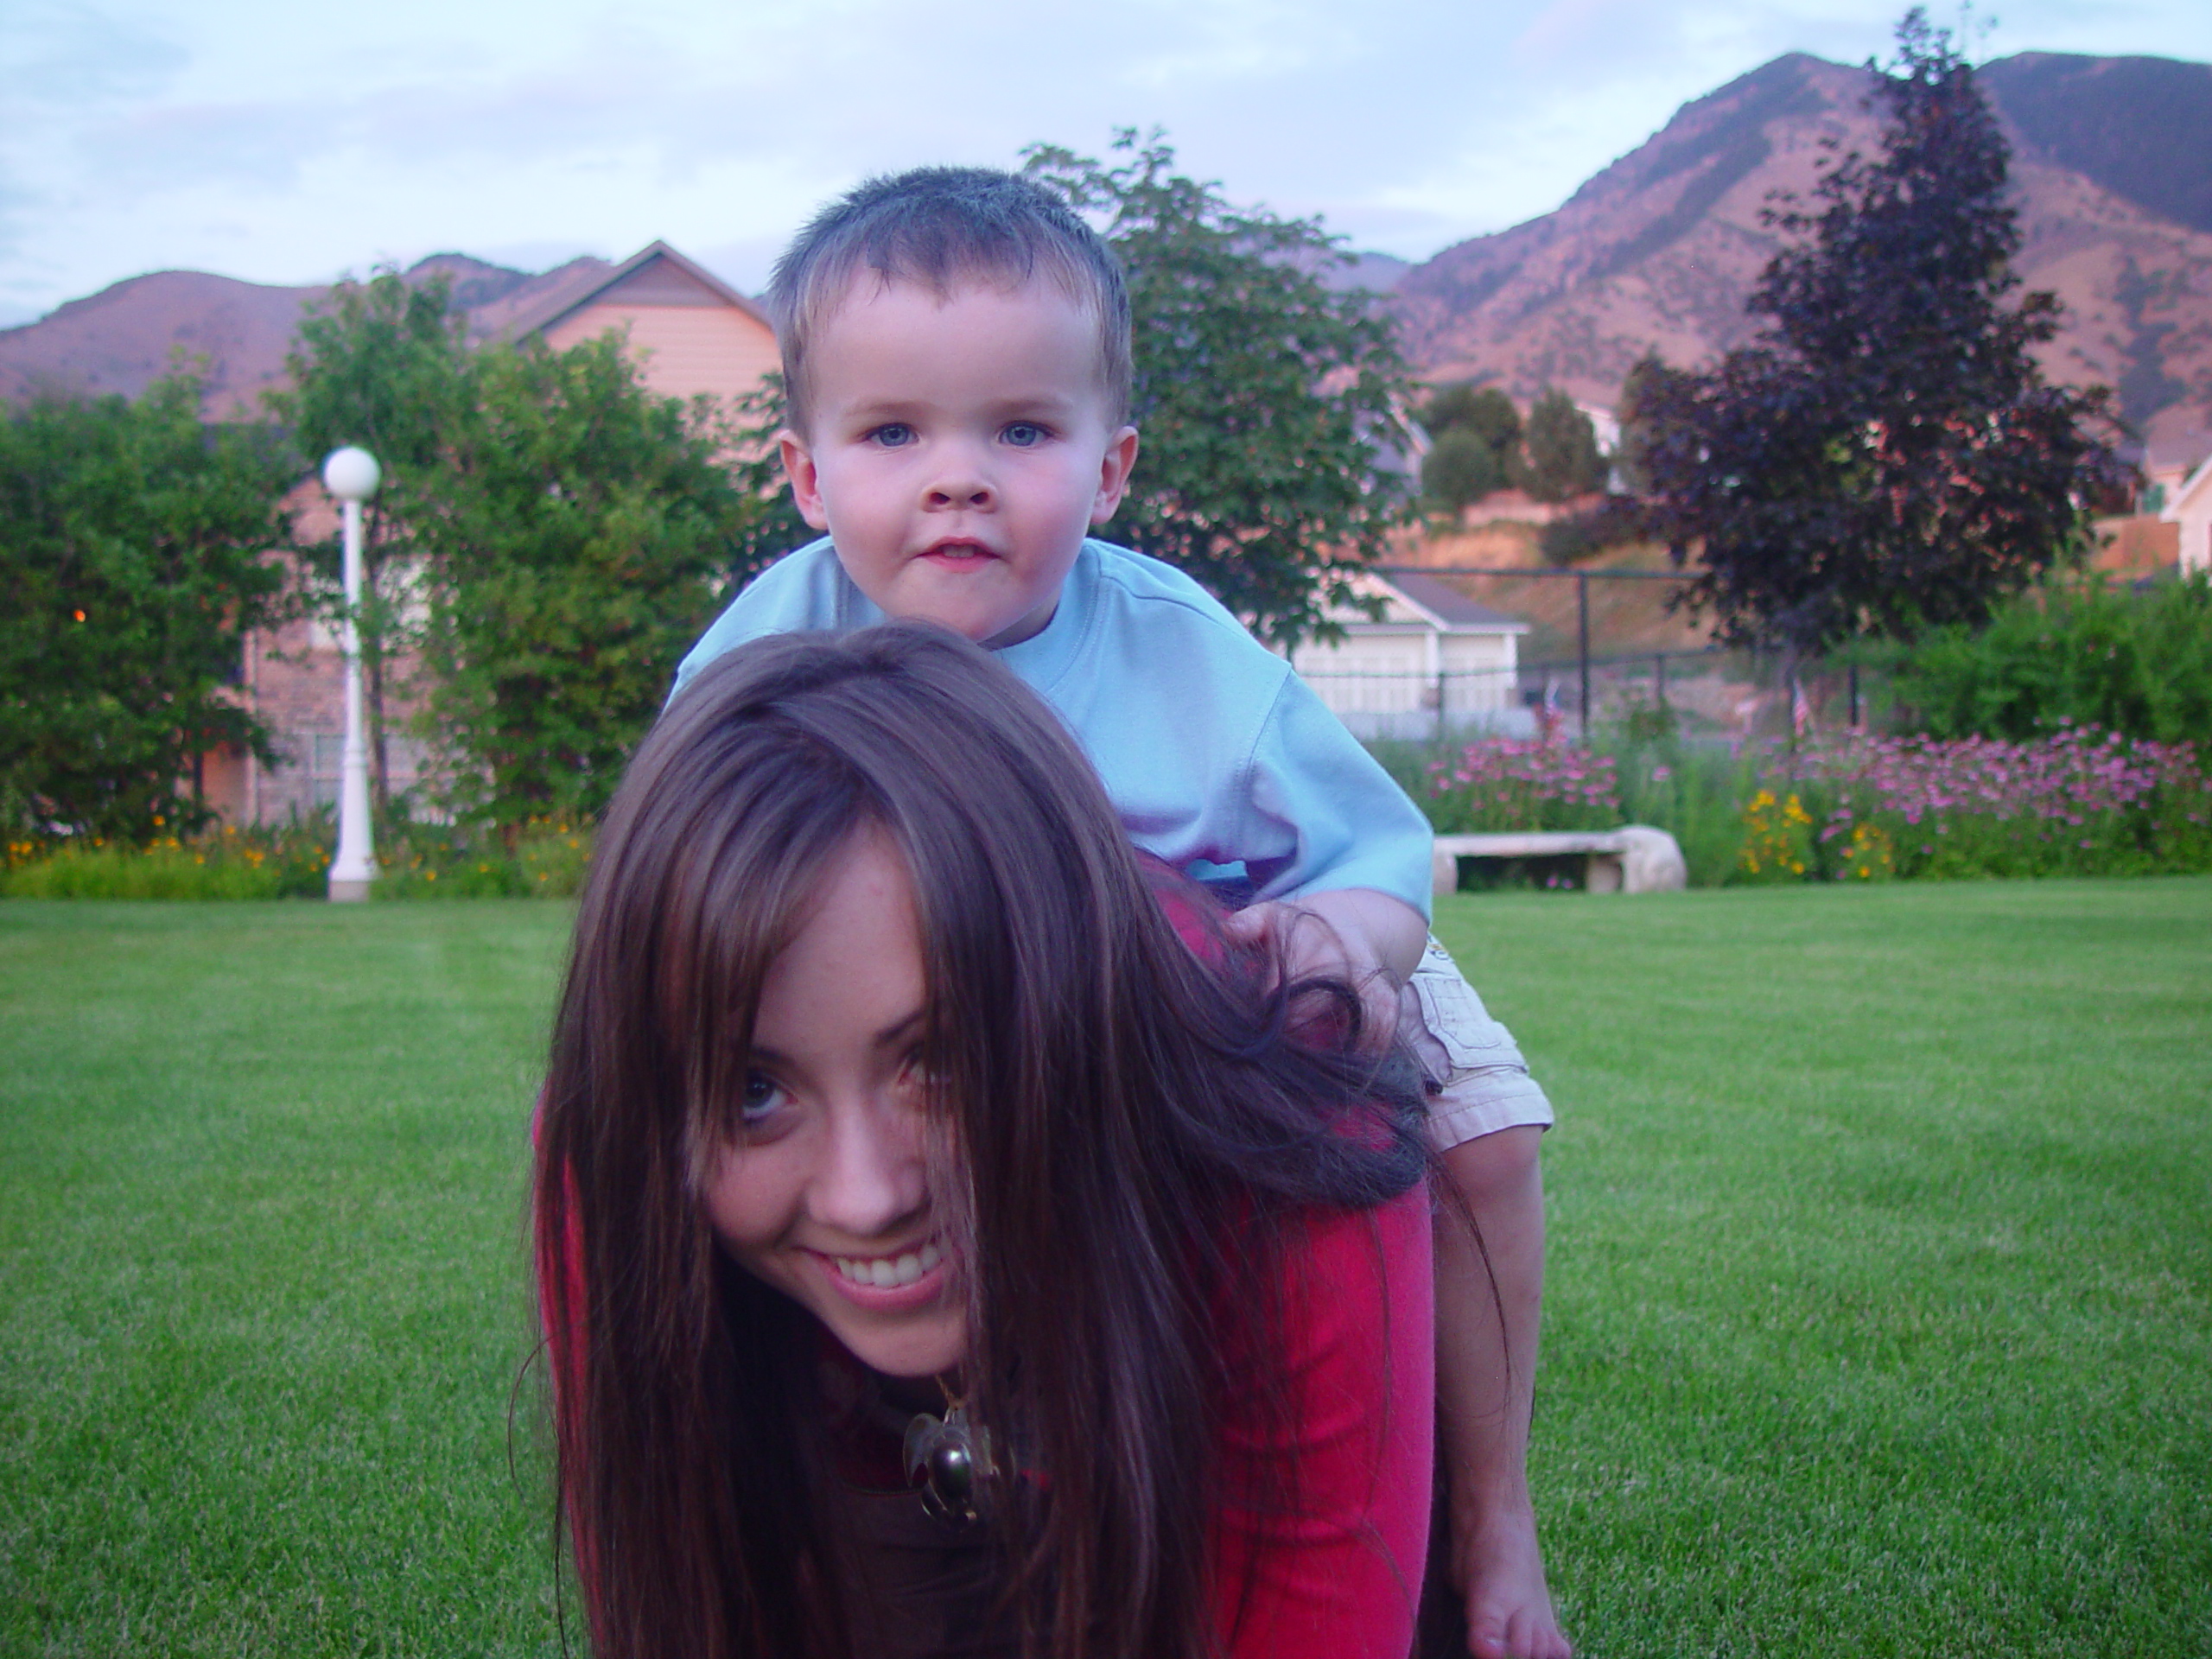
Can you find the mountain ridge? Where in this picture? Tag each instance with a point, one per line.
(120, 339)
(1660, 249)
(1657, 251)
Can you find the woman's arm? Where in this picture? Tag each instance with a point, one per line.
(1338, 1576)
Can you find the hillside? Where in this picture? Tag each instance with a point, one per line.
(123, 337)
(2112, 170)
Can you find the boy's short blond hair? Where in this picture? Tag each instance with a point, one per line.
(940, 227)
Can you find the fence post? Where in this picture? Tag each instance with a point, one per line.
(1854, 697)
(1582, 644)
(1658, 680)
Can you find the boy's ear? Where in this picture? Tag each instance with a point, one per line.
(1113, 474)
(806, 486)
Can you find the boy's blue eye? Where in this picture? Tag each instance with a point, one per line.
(893, 436)
(1024, 434)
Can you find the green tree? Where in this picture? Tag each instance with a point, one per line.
(1272, 408)
(1559, 451)
(133, 551)
(1646, 380)
(1460, 467)
(578, 532)
(384, 365)
(1484, 411)
(1884, 456)
(1475, 446)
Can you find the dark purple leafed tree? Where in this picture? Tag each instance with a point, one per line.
(1885, 455)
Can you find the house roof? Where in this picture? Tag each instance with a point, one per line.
(1446, 607)
(2199, 483)
(655, 274)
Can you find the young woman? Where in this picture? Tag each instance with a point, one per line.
(948, 1244)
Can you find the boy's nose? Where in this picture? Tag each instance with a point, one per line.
(960, 485)
(960, 495)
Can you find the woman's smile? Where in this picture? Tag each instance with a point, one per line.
(891, 1283)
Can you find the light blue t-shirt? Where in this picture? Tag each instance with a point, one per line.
(1214, 752)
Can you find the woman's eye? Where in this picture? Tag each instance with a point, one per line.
(761, 1098)
(1024, 434)
(895, 435)
(914, 1073)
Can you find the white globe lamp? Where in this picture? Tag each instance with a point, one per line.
(353, 475)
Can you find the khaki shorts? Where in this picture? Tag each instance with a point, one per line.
(1477, 1081)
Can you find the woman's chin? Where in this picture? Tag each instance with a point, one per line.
(914, 1329)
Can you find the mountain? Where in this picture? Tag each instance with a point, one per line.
(2113, 179)
(2112, 172)
(123, 337)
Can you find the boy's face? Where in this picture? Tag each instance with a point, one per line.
(958, 451)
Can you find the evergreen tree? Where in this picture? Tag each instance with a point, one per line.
(1885, 455)
(1560, 447)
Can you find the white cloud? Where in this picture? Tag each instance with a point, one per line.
(284, 143)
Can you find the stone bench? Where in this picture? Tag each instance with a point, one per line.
(1635, 858)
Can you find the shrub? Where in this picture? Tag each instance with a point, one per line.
(1611, 522)
(413, 859)
(292, 861)
(428, 861)
(2072, 653)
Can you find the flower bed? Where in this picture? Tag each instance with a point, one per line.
(2083, 801)
(1503, 784)
(279, 862)
(292, 861)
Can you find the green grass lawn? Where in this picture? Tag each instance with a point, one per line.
(1878, 1318)
(260, 1278)
(1880, 1311)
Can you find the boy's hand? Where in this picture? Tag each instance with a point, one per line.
(1368, 939)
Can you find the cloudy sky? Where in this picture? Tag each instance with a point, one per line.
(285, 142)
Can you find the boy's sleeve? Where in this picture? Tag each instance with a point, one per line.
(1349, 825)
(798, 593)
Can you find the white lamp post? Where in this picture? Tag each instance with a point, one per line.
(353, 475)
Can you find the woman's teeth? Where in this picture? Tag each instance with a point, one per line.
(888, 1273)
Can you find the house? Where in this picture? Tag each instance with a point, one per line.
(1432, 661)
(2190, 505)
(690, 332)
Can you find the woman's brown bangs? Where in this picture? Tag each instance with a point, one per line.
(741, 871)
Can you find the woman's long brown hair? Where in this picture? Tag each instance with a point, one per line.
(1135, 1132)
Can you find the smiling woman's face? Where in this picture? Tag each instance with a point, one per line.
(824, 1191)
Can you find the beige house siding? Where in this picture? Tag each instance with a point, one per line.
(2189, 509)
(688, 331)
(681, 350)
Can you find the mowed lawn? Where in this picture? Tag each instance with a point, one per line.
(1880, 1310)
(1879, 1315)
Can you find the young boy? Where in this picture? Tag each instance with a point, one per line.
(955, 349)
